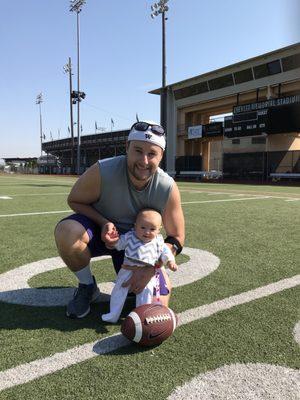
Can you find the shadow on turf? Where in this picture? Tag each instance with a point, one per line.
(125, 346)
(44, 186)
(13, 316)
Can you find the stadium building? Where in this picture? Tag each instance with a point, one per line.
(92, 148)
(241, 122)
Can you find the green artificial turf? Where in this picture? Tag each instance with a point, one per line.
(258, 332)
(257, 242)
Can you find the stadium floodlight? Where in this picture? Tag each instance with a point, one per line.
(39, 100)
(76, 6)
(157, 9)
(68, 70)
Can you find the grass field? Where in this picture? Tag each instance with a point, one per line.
(253, 230)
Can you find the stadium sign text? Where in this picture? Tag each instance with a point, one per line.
(282, 101)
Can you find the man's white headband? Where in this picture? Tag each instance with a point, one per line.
(147, 136)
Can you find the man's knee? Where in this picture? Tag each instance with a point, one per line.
(70, 235)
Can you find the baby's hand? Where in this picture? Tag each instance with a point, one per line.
(109, 235)
(113, 235)
(112, 239)
(172, 266)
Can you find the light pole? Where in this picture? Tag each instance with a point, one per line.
(265, 159)
(161, 8)
(68, 69)
(76, 6)
(39, 100)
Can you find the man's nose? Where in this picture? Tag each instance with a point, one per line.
(145, 159)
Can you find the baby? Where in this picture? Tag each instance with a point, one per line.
(143, 246)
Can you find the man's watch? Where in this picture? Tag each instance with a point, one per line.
(176, 246)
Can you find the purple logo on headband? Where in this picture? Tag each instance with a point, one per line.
(147, 136)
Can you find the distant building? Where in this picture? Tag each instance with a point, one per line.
(21, 165)
(92, 148)
(48, 164)
(241, 121)
(260, 134)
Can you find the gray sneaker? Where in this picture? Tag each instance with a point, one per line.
(83, 296)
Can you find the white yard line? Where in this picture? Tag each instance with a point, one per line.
(242, 381)
(240, 194)
(37, 194)
(15, 288)
(34, 213)
(208, 192)
(183, 203)
(5, 198)
(35, 369)
(233, 191)
(296, 332)
(54, 179)
(224, 200)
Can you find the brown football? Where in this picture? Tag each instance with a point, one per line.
(149, 324)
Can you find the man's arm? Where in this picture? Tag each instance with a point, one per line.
(173, 219)
(86, 191)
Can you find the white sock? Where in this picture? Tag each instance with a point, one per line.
(85, 275)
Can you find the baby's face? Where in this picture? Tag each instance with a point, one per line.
(147, 226)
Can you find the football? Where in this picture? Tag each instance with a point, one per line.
(149, 324)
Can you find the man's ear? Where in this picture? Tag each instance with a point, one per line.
(162, 155)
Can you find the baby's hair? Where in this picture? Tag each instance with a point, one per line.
(148, 209)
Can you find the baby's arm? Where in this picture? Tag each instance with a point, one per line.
(168, 258)
(121, 242)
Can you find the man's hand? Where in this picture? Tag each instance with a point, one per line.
(109, 235)
(140, 278)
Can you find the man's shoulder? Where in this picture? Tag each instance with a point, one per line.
(112, 168)
(112, 161)
(164, 176)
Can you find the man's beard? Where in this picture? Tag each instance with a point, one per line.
(136, 173)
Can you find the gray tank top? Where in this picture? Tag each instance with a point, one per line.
(120, 202)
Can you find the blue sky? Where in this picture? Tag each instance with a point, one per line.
(120, 57)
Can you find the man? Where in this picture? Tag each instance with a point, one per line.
(106, 199)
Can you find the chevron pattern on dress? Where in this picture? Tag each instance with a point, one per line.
(145, 252)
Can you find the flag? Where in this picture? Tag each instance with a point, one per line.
(80, 128)
(44, 136)
(112, 122)
(69, 129)
(96, 126)
(51, 136)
